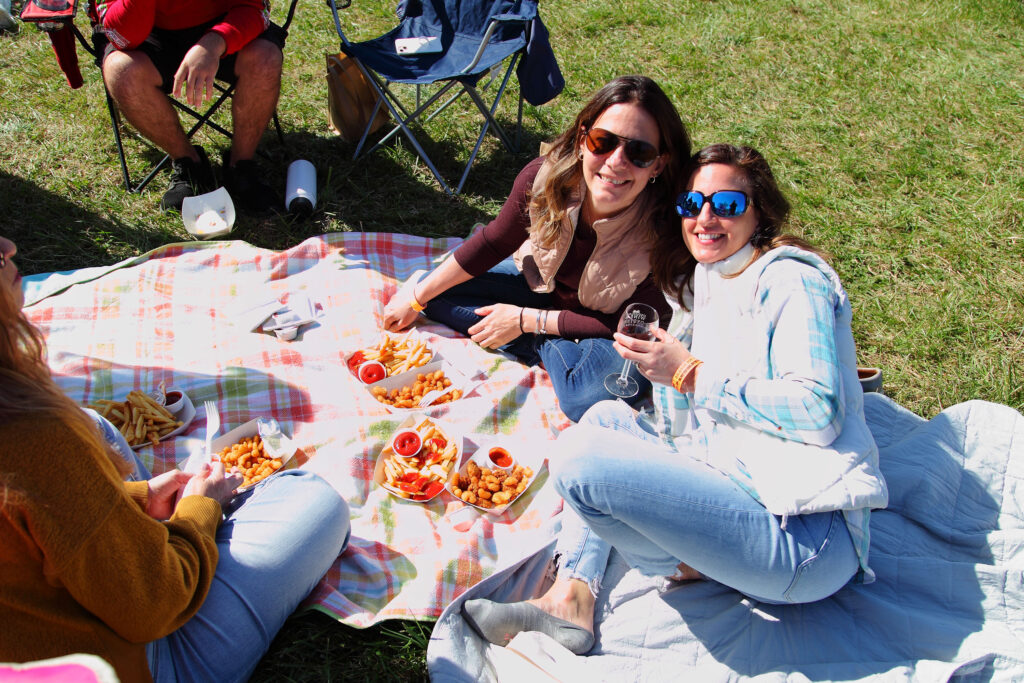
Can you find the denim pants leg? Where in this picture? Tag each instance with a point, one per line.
(578, 369)
(658, 507)
(502, 284)
(276, 543)
(579, 552)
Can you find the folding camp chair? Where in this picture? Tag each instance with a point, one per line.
(448, 44)
(56, 17)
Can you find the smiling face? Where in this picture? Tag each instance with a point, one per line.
(613, 182)
(10, 278)
(711, 238)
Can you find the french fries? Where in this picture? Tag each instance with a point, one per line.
(396, 356)
(411, 395)
(250, 458)
(139, 418)
(490, 488)
(421, 477)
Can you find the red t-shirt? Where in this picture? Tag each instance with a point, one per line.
(506, 233)
(127, 23)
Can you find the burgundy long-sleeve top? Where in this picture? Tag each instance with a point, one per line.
(506, 233)
(127, 23)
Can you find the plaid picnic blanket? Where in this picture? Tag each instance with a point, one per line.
(177, 315)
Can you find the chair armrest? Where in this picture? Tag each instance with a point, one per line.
(496, 20)
(508, 18)
(335, 5)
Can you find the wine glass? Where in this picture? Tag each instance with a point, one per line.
(637, 321)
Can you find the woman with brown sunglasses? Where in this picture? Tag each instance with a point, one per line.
(547, 280)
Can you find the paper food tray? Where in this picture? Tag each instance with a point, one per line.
(277, 445)
(411, 422)
(459, 380)
(524, 453)
(413, 336)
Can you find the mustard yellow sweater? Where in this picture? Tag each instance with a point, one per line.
(82, 567)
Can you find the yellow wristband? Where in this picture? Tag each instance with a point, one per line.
(683, 371)
(414, 303)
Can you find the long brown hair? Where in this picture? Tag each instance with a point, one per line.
(567, 169)
(26, 387)
(672, 263)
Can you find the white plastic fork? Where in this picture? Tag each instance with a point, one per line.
(195, 462)
(212, 426)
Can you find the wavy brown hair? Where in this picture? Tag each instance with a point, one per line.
(567, 168)
(26, 387)
(672, 263)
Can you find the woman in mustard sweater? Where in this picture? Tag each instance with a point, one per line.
(93, 564)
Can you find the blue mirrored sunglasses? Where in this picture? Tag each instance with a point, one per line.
(724, 203)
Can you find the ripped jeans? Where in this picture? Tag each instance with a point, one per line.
(658, 508)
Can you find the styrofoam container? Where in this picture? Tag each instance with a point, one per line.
(208, 215)
(414, 422)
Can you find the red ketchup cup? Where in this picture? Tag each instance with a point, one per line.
(407, 443)
(371, 371)
(174, 401)
(501, 458)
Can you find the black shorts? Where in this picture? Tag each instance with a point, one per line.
(166, 48)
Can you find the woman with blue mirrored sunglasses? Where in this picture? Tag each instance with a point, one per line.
(757, 470)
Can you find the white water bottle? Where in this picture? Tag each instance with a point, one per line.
(300, 197)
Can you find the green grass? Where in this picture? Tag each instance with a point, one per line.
(895, 128)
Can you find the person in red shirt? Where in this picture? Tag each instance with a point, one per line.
(178, 47)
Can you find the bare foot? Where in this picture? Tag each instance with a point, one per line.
(568, 599)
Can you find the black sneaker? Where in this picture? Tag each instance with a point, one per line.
(188, 179)
(244, 182)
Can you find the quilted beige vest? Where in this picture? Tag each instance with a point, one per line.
(620, 262)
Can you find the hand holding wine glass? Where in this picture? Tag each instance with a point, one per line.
(637, 321)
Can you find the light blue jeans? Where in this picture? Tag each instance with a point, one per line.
(577, 367)
(658, 508)
(275, 544)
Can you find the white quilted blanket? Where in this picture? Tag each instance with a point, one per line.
(948, 603)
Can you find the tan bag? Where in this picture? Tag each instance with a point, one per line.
(350, 99)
